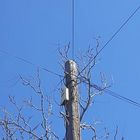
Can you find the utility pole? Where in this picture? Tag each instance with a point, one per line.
(72, 106)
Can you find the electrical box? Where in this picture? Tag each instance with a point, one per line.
(64, 95)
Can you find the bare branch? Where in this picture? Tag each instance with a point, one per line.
(116, 132)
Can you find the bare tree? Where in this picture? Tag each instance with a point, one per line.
(85, 80)
(20, 126)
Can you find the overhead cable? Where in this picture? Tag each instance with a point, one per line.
(30, 63)
(116, 95)
(113, 36)
(73, 37)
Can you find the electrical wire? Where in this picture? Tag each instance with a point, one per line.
(113, 36)
(109, 92)
(116, 95)
(122, 98)
(73, 35)
(30, 63)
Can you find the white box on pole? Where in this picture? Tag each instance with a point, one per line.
(64, 95)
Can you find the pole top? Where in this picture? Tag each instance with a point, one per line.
(70, 62)
(71, 68)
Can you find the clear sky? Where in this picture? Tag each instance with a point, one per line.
(34, 29)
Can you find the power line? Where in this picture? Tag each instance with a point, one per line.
(73, 37)
(30, 63)
(116, 95)
(52, 72)
(122, 98)
(113, 36)
(109, 92)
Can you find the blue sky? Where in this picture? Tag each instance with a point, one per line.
(34, 29)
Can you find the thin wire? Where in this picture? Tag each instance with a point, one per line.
(112, 37)
(122, 98)
(109, 92)
(116, 95)
(30, 63)
(73, 28)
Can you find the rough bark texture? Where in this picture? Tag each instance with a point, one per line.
(72, 106)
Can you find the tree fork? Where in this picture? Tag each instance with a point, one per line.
(72, 106)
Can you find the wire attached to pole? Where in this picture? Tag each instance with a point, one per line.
(113, 36)
(73, 28)
(29, 62)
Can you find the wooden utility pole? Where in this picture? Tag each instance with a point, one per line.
(72, 106)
